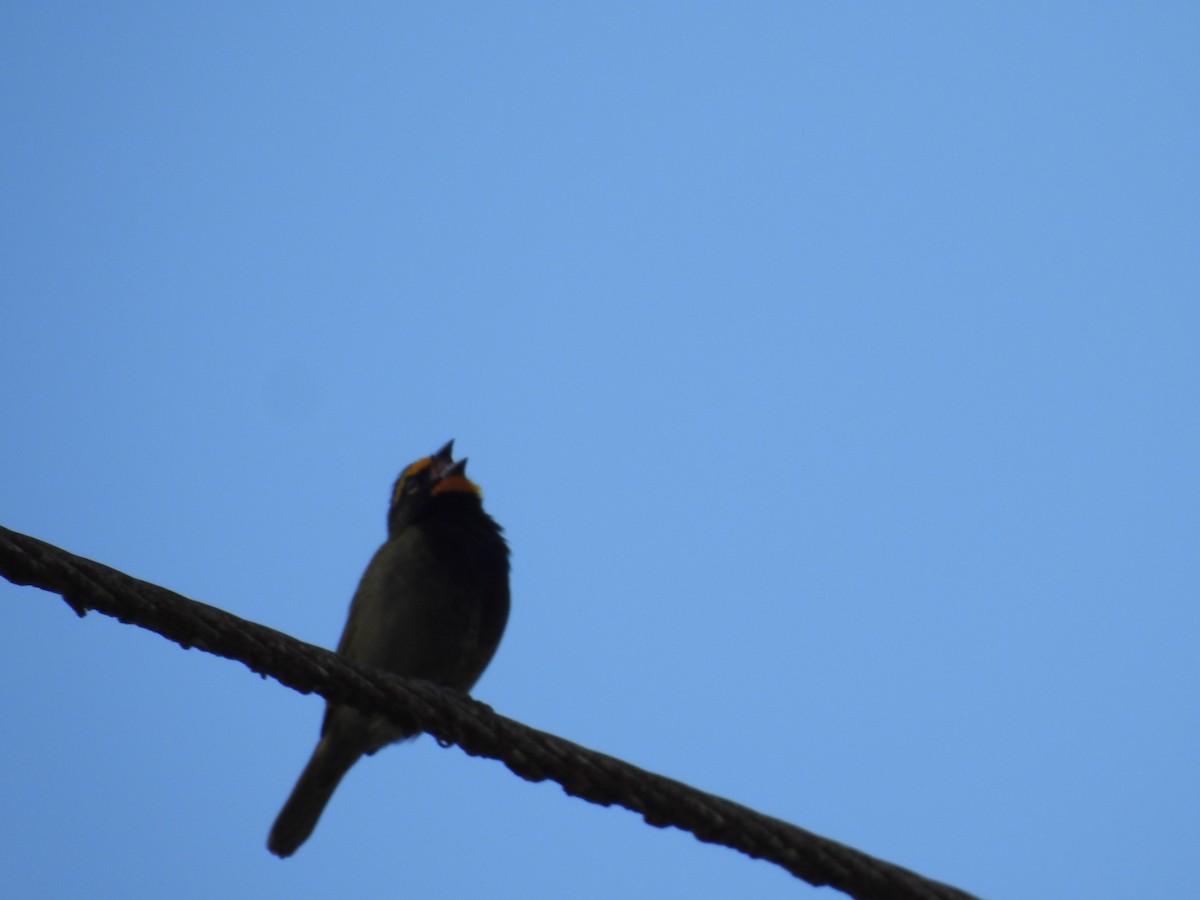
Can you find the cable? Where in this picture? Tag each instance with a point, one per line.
(454, 718)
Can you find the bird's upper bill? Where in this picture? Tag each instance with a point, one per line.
(441, 463)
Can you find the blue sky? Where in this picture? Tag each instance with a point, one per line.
(832, 367)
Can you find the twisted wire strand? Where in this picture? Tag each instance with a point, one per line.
(454, 718)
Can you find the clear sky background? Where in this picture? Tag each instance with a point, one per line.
(834, 368)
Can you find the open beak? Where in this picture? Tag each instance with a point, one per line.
(442, 463)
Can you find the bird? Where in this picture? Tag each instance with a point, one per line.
(433, 604)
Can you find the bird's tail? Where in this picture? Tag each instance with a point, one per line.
(296, 821)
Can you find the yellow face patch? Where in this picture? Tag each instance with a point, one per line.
(457, 483)
(419, 466)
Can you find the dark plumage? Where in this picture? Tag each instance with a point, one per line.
(432, 604)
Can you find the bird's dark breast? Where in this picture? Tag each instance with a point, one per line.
(438, 597)
(465, 616)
